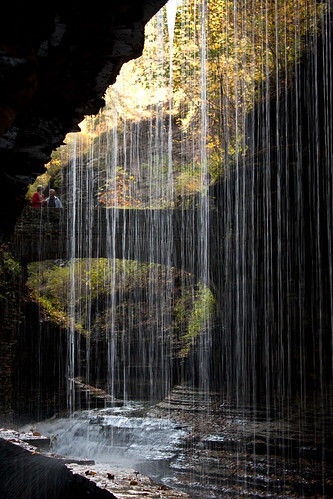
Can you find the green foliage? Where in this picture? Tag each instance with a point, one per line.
(67, 291)
(90, 294)
(10, 271)
(188, 182)
(49, 286)
(250, 50)
(195, 312)
(51, 177)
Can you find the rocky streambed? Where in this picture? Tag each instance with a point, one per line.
(31, 470)
(195, 445)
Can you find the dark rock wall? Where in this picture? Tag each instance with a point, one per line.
(39, 368)
(56, 64)
(9, 326)
(27, 474)
(10, 322)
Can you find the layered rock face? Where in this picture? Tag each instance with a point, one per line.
(55, 66)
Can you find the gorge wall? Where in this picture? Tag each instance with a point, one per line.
(56, 63)
(272, 251)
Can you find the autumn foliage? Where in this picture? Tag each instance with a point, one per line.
(119, 192)
(178, 100)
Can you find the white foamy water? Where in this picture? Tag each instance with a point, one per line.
(114, 436)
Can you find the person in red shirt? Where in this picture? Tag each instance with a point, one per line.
(38, 199)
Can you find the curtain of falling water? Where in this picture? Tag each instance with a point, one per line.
(277, 209)
(111, 165)
(79, 227)
(134, 364)
(203, 217)
(192, 29)
(72, 344)
(159, 237)
(267, 246)
(272, 241)
(132, 144)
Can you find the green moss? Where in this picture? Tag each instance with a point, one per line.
(68, 290)
(196, 313)
(10, 271)
(50, 286)
(81, 293)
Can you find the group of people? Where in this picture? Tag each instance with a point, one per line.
(39, 200)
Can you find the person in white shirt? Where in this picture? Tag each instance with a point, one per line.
(53, 201)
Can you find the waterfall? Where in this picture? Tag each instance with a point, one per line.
(134, 147)
(210, 172)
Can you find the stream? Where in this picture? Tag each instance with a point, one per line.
(204, 447)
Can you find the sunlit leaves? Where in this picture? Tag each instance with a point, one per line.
(252, 49)
(119, 191)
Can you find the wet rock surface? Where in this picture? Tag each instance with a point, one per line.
(79, 478)
(197, 443)
(125, 483)
(250, 451)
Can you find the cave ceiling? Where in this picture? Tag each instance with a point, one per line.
(56, 63)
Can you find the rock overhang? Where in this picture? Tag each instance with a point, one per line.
(55, 66)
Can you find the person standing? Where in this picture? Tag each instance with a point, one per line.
(38, 199)
(53, 201)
